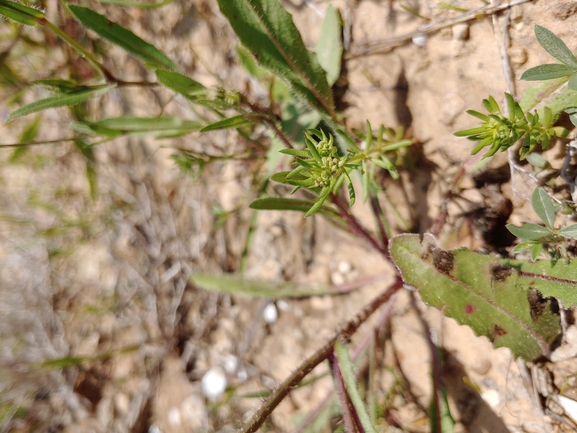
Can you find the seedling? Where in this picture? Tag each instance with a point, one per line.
(538, 238)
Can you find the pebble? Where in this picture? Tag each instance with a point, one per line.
(270, 313)
(420, 40)
(214, 383)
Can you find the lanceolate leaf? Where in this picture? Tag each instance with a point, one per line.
(330, 47)
(543, 206)
(235, 284)
(182, 84)
(530, 231)
(548, 72)
(569, 231)
(20, 13)
(160, 127)
(122, 37)
(136, 4)
(502, 299)
(61, 100)
(555, 46)
(347, 369)
(231, 122)
(266, 29)
(281, 203)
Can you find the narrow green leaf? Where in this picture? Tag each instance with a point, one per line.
(569, 231)
(284, 176)
(122, 37)
(330, 47)
(502, 299)
(296, 152)
(347, 368)
(543, 207)
(397, 145)
(342, 134)
(231, 122)
(317, 206)
(548, 72)
(266, 29)
(310, 143)
(555, 46)
(530, 231)
(386, 163)
(235, 284)
(282, 203)
(136, 4)
(182, 84)
(62, 86)
(20, 13)
(61, 100)
(351, 188)
(159, 127)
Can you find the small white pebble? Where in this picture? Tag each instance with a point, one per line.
(270, 313)
(420, 40)
(283, 305)
(154, 429)
(174, 417)
(491, 397)
(230, 364)
(214, 383)
(337, 278)
(345, 267)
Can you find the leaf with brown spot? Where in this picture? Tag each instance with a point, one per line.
(491, 295)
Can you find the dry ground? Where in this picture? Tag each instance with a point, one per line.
(107, 279)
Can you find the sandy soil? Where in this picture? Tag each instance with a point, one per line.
(107, 279)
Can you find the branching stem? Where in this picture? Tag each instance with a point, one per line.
(319, 356)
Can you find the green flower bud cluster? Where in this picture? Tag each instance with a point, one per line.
(319, 166)
(500, 131)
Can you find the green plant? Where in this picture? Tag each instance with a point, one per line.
(500, 131)
(301, 118)
(536, 238)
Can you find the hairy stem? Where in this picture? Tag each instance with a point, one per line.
(346, 404)
(319, 356)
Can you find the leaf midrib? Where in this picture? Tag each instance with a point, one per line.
(287, 58)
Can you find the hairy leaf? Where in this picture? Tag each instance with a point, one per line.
(347, 369)
(182, 84)
(235, 284)
(231, 122)
(159, 127)
(502, 299)
(543, 207)
(266, 29)
(137, 4)
(569, 232)
(330, 47)
(20, 13)
(282, 203)
(61, 100)
(122, 37)
(555, 46)
(548, 72)
(530, 231)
